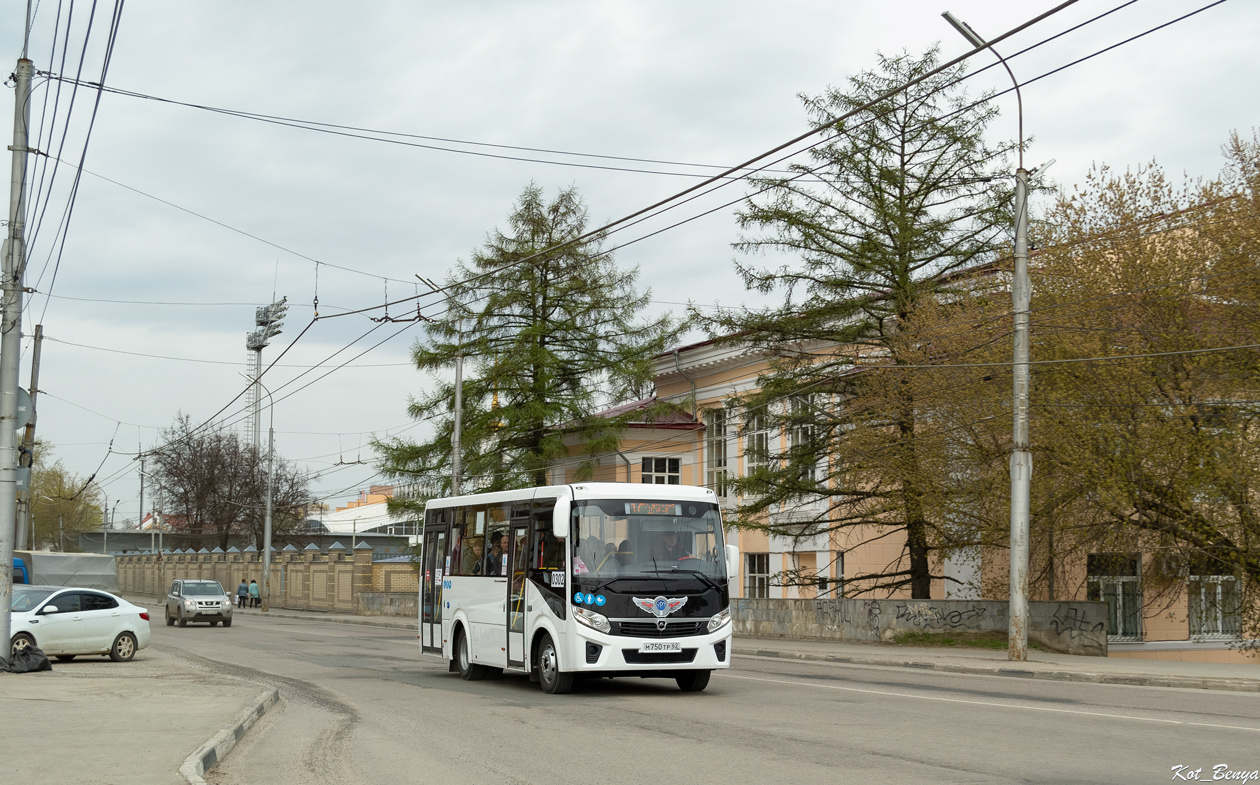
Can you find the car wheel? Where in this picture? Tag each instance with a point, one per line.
(227, 622)
(170, 620)
(182, 621)
(65, 657)
(553, 680)
(214, 624)
(21, 641)
(124, 647)
(693, 681)
(468, 671)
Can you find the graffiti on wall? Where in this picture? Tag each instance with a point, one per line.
(934, 618)
(1075, 623)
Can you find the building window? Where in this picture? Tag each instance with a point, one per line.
(661, 471)
(1214, 602)
(829, 586)
(715, 457)
(1113, 578)
(757, 575)
(803, 436)
(756, 441)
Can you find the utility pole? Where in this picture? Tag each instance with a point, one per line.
(26, 456)
(14, 263)
(265, 588)
(141, 519)
(456, 426)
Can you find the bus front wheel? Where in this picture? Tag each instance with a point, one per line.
(468, 671)
(693, 681)
(553, 680)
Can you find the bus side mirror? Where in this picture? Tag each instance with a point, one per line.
(732, 562)
(560, 523)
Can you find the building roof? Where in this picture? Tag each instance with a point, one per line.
(667, 419)
(363, 518)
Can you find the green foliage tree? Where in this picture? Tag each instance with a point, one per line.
(888, 211)
(63, 505)
(548, 328)
(212, 485)
(1144, 421)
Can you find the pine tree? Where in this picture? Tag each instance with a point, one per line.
(890, 209)
(547, 325)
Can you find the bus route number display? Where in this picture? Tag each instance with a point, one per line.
(653, 508)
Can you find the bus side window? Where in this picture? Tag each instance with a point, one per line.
(458, 544)
(546, 558)
(494, 562)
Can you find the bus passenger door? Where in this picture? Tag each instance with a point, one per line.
(518, 560)
(431, 591)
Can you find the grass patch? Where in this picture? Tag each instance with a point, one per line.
(989, 639)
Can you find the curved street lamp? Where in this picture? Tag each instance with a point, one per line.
(1021, 455)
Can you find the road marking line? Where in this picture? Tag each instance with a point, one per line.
(991, 703)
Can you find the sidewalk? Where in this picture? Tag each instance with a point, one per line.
(150, 720)
(1040, 665)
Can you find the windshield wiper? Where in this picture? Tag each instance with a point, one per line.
(704, 578)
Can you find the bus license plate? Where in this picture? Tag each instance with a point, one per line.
(656, 647)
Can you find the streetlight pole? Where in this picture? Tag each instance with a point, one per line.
(1021, 455)
(271, 456)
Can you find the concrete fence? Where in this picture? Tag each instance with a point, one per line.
(335, 580)
(342, 582)
(1069, 627)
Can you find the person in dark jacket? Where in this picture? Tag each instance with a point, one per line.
(242, 594)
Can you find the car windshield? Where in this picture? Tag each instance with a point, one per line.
(28, 599)
(203, 589)
(620, 537)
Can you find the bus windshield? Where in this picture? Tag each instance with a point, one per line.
(622, 537)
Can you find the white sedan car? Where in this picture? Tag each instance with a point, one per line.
(67, 622)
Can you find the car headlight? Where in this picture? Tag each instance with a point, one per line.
(226, 603)
(189, 604)
(591, 619)
(720, 619)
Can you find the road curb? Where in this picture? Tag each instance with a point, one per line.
(1092, 677)
(212, 752)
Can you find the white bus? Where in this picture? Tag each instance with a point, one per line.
(590, 579)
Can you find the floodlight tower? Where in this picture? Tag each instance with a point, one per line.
(268, 319)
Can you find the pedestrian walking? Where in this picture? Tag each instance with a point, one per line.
(242, 594)
(254, 599)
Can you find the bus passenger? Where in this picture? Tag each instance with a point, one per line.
(494, 557)
(472, 564)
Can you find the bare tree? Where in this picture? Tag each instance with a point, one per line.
(212, 486)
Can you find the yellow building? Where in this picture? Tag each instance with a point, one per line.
(706, 443)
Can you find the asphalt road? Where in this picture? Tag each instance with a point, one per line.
(361, 706)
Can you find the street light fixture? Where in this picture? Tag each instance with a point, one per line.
(1021, 455)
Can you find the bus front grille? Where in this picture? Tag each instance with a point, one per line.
(673, 629)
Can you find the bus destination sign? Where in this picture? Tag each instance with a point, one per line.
(653, 508)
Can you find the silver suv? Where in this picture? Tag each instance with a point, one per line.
(190, 600)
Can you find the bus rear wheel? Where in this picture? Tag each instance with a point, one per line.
(693, 681)
(552, 680)
(468, 671)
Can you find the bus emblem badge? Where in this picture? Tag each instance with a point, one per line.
(660, 607)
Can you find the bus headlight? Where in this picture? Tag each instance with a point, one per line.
(596, 621)
(717, 621)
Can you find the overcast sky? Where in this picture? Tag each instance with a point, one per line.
(186, 220)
